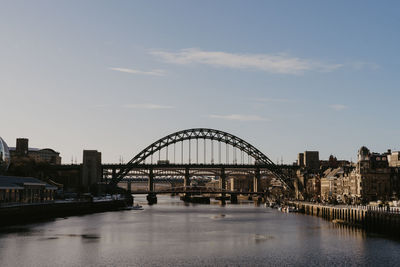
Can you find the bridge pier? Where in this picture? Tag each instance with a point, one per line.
(222, 185)
(234, 199)
(151, 197)
(186, 181)
(151, 181)
(256, 180)
(129, 187)
(114, 173)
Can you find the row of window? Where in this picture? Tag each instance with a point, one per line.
(25, 195)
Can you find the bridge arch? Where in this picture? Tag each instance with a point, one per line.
(206, 134)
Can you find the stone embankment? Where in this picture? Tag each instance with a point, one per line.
(27, 213)
(374, 219)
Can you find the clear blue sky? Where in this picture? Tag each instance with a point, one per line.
(287, 76)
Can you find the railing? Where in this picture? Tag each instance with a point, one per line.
(383, 209)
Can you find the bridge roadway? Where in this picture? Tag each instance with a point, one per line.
(195, 192)
(110, 171)
(193, 166)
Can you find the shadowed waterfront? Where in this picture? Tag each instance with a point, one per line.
(172, 233)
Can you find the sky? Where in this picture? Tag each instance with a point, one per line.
(286, 76)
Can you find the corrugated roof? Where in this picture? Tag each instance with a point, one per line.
(14, 182)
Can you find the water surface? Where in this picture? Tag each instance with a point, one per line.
(174, 234)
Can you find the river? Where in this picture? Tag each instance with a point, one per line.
(172, 233)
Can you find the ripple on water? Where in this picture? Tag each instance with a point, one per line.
(258, 238)
(220, 216)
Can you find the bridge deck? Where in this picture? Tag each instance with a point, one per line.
(194, 192)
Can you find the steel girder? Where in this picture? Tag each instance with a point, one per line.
(203, 133)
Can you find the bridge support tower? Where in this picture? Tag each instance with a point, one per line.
(257, 180)
(234, 198)
(114, 173)
(129, 187)
(222, 185)
(186, 181)
(256, 186)
(129, 196)
(151, 197)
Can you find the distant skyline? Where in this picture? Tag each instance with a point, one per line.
(118, 75)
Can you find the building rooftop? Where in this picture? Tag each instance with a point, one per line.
(33, 149)
(13, 182)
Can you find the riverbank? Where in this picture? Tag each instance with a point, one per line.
(374, 220)
(28, 213)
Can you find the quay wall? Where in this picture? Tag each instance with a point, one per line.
(369, 218)
(21, 214)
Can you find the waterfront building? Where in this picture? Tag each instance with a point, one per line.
(371, 179)
(374, 175)
(25, 190)
(313, 187)
(331, 184)
(393, 158)
(340, 185)
(22, 149)
(73, 177)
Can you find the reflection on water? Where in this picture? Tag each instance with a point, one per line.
(174, 234)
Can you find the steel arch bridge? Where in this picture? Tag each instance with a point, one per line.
(260, 159)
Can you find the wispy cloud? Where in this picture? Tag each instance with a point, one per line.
(239, 117)
(147, 106)
(271, 63)
(359, 65)
(338, 107)
(155, 72)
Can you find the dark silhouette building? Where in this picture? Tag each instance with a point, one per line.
(47, 155)
(91, 168)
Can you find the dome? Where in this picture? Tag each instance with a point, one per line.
(4, 156)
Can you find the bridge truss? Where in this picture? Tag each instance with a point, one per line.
(258, 164)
